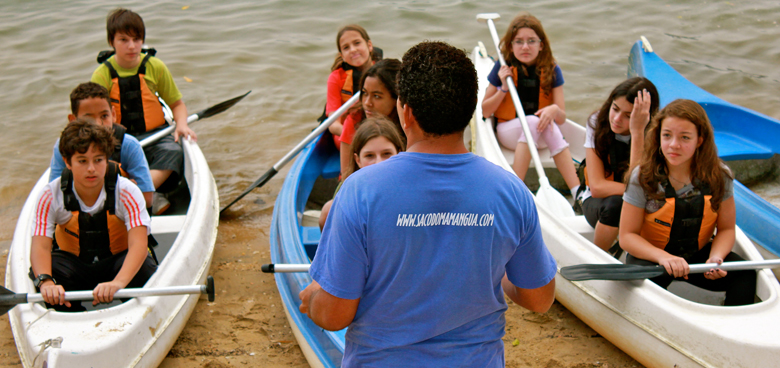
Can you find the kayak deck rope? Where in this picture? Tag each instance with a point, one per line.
(54, 343)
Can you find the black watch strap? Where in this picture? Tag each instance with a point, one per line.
(41, 278)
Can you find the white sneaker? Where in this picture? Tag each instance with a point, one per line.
(159, 204)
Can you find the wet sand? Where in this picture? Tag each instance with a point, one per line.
(246, 326)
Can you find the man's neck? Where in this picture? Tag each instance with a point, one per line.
(450, 144)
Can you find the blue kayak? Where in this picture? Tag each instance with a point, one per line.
(311, 181)
(759, 219)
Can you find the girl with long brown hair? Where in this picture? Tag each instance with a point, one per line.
(376, 140)
(676, 199)
(614, 140)
(539, 82)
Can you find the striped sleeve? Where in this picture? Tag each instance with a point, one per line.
(131, 205)
(43, 222)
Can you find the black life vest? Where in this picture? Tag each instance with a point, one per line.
(138, 108)
(119, 134)
(681, 226)
(619, 156)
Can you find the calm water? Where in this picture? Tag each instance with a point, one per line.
(282, 51)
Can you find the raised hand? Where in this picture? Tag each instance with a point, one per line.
(640, 115)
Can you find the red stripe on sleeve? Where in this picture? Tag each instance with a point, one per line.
(42, 213)
(132, 207)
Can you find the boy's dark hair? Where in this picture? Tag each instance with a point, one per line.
(125, 21)
(79, 134)
(84, 91)
(439, 83)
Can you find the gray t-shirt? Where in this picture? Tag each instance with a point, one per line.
(635, 195)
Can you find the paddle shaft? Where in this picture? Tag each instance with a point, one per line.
(284, 268)
(9, 299)
(202, 114)
(516, 100)
(126, 293)
(619, 271)
(314, 134)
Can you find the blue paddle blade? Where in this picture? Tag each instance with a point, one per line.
(612, 271)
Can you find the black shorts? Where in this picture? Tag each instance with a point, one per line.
(165, 154)
(75, 275)
(604, 210)
(740, 286)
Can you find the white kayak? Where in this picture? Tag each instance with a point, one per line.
(140, 332)
(683, 327)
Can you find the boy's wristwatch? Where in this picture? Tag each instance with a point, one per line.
(41, 278)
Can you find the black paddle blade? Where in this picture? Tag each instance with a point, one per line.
(9, 299)
(610, 272)
(210, 287)
(220, 107)
(258, 183)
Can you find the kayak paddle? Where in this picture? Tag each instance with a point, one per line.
(9, 299)
(619, 271)
(200, 115)
(547, 196)
(278, 166)
(284, 268)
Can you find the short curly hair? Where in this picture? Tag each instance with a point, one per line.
(439, 83)
(79, 134)
(86, 91)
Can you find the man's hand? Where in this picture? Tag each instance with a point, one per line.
(306, 295)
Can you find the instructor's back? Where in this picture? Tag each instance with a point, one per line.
(418, 250)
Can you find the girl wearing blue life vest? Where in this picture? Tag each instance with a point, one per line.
(356, 55)
(676, 199)
(539, 82)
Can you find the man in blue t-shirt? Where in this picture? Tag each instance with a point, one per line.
(419, 250)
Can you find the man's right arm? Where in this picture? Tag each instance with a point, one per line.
(536, 300)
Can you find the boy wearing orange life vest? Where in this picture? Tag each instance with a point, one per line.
(133, 80)
(98, 220)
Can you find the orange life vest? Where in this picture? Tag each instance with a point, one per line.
(137, 108)
(506, 110)
(683, 225)
(347, 90)
(89, 237)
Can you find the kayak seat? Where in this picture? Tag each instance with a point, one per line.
(579, 225)
(310, 237)
(332, 167)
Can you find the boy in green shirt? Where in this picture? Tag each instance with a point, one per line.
(133, 80)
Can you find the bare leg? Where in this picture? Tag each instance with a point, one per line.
(605, 236)
(324, 213)
(522, 160)
(159, 176)
(565, 165)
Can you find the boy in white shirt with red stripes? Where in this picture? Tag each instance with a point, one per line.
(98, 219)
